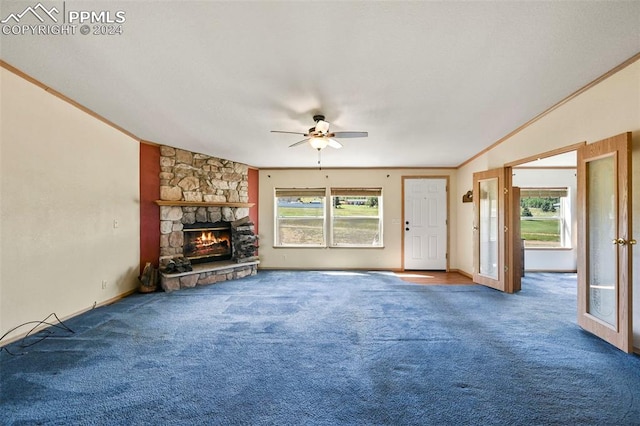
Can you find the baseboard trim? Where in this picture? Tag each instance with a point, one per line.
(17, 337)
(282, 268)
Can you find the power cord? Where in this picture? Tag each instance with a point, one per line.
(45, 332)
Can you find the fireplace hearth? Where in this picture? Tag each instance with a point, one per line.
(207, 242)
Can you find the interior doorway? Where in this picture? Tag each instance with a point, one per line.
(548, 212)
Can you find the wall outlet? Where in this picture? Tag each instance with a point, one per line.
(115, 223)
(104, 284)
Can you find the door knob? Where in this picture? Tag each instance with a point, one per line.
(632, 242)
(622, 241)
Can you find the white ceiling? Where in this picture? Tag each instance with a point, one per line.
(432, 82)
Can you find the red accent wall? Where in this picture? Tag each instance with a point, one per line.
(149, 210)
(254, 186)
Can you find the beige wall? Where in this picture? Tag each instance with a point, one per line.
(65, 177)
(610, 108)
(389, 257)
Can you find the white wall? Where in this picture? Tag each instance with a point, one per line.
(607, 109)
(389, 257)
(65, 178)
(551, 259)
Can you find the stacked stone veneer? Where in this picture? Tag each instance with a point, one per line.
(205, 277)
(188, 176)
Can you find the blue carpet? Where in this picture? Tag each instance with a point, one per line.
(326, 348)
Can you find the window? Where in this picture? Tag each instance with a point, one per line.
(545, 221)
(356, 217)
(300, 217)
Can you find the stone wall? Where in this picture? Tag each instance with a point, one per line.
(187, 176)
(172, 282)
(197, 177)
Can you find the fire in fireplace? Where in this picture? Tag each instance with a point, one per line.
(206, 242)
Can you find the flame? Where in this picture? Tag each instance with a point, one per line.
(207, 239)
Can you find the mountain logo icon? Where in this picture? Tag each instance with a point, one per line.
(39, 11)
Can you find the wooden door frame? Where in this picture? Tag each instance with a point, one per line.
(402, 225)
(513, 262)
(513, 239)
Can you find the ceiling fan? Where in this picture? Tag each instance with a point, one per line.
(320, 137)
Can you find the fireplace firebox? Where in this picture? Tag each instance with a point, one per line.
(207, 242)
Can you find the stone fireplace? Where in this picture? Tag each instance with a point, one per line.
(200, 198)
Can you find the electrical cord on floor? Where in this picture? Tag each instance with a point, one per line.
(45, 332)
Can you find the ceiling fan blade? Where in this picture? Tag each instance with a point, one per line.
(348, 135)
(298, 143)
(334, 144)
(293, 133)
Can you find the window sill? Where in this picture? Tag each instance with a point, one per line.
(549, 248)
(357, 247)
(328, 247)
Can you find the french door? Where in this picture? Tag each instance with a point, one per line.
(488, 235)
(605, 241)
(496, 236)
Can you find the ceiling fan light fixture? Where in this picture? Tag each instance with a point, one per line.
(319, 142)
(322, 126)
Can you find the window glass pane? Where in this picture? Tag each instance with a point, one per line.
(356, 231)
(356, 217)
(300, 231)
(543, 217)
(300, 217)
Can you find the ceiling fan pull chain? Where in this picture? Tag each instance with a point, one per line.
(319, 158)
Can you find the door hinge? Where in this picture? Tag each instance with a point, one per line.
(505, 190)
(506, 229)
(506, 268)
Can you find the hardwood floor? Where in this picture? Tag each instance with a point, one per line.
(434, 278)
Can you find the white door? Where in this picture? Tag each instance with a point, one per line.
(425, 223)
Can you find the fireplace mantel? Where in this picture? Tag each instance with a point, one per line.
(180, 203)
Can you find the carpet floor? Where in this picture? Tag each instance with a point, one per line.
(326, 348)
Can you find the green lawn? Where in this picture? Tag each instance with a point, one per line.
(540, 230)
(316, 210)
(352, 225)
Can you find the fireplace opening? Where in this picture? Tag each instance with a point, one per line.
(207, 242)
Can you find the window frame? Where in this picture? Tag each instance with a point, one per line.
(301, 193)
(355, 192)
(563, 216)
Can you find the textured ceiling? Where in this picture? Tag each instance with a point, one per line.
(433, 83)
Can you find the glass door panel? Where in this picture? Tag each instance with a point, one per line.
(489, 228)
(602, 231)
